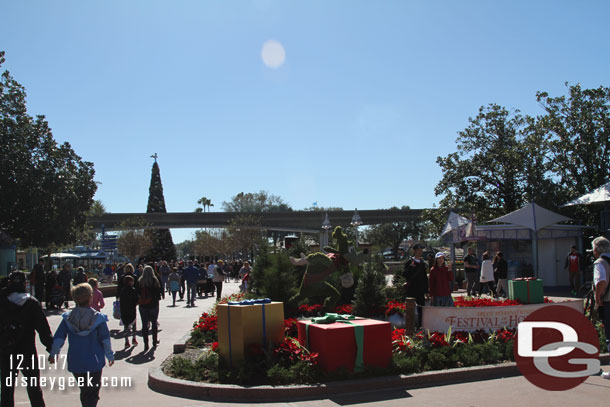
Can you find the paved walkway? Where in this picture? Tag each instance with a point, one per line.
(176, 322)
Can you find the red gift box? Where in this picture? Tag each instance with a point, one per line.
(336, 344)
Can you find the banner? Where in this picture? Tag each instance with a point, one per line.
(486, 318)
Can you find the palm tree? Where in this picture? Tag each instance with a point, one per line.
(204, 202)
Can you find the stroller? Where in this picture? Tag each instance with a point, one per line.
(205, 284)
(56, 298)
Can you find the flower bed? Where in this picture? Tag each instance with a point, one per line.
(291, 363)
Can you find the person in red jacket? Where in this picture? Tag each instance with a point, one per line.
(440, 282)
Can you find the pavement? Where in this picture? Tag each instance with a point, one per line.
(134, 364)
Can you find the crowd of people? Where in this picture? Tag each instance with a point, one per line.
(138, 290)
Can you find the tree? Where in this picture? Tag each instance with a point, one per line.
(244, 234)
(162, 244)
(87, 237)
(578, 127)
(134, 240)
(210, 243)
(255, 202)
(203, 201)
(392, 235)
(501, 163)
(46, 189)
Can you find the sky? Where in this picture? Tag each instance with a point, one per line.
(343, 103)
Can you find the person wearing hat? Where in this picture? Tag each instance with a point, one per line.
(440, 282)
(416, 280)
(22, 316)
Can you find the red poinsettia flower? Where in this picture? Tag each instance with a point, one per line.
(344, 309)
(395, 307)
(214, 346)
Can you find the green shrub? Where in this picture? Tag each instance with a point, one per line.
(436, 360)
(369, 297)
(467, 355)
(489, 353)
(204, 368)
(406, 364)
(279, 375)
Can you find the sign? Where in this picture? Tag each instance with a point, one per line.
(109, 242)
(486, 318)
(557, 348)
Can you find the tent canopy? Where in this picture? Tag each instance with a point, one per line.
(532, 216)
(597, 196)
(454, 222)
(61, 256)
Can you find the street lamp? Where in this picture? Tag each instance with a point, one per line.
(325, 225)
(356, 221)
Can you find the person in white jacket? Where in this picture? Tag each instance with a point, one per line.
(487, 275)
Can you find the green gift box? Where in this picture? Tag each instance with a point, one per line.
(526, 290)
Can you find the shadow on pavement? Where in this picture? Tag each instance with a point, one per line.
(369, 397)
(142, 357)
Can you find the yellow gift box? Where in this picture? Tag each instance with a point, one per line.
(247, 323)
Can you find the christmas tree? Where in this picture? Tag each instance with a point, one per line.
(162, 247)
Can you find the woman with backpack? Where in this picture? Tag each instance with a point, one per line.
(149, 296)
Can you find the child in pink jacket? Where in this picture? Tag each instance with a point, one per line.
(97, 303)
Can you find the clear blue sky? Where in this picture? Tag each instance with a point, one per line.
(369, 93)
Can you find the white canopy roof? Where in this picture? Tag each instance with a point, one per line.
(61, 256)
(599, 195)
(532, 216)
(454, 222)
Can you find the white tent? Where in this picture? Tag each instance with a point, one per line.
(454, 222)
(599, 195)
(534, 218)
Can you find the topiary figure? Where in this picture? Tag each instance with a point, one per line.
(327, 275)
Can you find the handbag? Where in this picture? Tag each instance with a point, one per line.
(116, 309)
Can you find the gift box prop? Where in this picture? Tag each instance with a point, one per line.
(347, 341)
(528, 290)
(248, 322)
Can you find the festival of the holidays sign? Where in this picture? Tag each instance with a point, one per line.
(486, 318)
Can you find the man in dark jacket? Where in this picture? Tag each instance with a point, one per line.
(415, 273)
(64, 278)
(22, 315)
(38, 279)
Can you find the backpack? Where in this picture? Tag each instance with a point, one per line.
(174, 286)
(11, 327)
(145, 296)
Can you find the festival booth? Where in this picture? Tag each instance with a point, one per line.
(598, 197)
(533, 243)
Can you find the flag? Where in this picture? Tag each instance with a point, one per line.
(315, 203)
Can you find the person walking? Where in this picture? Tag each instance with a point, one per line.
(441, 278)
(38, 279)
(471, 268)
(64, 279)
(149, 297)
(174, 284)
(219, 276)
(416, 280)
(22, 316)
(89, 344)
(601, 279)
(191, 276)
(487, 275)
(500, 267)
(128, 304)
(574, 264)
(97, 302)
(164, 271)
